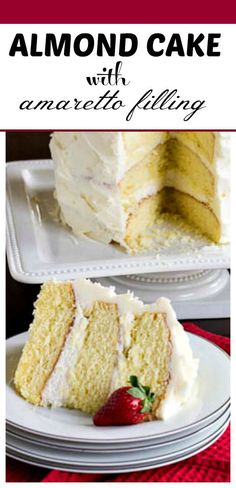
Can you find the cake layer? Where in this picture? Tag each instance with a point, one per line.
(137, 145)
(196, 213)
(185, 170)
(143, 216)
(150, 342)
(202, 143)
(53, 319)
(90, 381)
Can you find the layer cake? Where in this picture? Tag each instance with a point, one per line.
(112, 186)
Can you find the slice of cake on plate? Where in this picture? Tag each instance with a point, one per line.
(86, 341)
(112, 186)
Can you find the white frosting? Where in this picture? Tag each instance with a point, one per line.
(103, 155)
(91, 208)
(221, 171)
(183, 367)
(88, 293)
(88, 168)
(90, 165)
(56, 390)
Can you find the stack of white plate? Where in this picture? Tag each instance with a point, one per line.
(68, 440)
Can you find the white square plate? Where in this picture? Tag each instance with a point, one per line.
(40, 248)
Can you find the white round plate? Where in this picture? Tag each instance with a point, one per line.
(118, 468)
(110, 448)
(73, 426)
(113, 459)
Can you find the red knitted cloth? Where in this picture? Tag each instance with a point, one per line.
(211, 465)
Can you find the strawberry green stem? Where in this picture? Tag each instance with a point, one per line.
(143, 392)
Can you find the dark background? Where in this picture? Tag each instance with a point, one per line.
(20, 297)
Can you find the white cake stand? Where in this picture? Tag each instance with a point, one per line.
(198, 294)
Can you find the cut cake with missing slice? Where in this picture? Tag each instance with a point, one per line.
(114, 186)
(86, 341)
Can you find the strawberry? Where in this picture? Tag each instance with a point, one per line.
(126, 406)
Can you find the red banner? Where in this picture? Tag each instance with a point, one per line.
(152, 12)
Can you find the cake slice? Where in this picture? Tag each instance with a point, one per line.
(86, 341)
